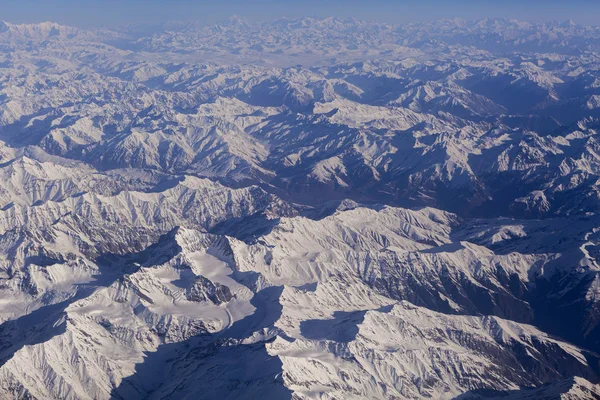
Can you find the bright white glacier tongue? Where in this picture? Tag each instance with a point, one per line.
(300, 209)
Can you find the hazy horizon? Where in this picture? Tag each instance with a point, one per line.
(111, 13)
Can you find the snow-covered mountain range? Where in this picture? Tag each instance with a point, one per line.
(302, 208)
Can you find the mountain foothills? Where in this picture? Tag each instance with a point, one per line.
(302, 208)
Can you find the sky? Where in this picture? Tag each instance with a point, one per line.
(117, 12)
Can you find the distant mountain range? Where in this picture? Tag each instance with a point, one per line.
(301, 208)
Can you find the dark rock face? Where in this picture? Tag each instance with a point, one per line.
(203, 289)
